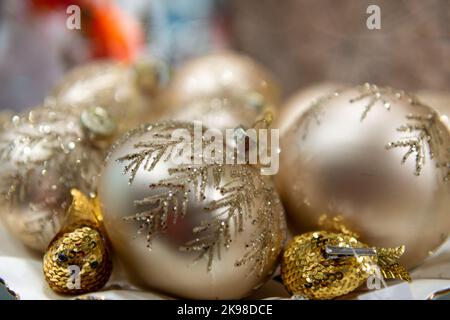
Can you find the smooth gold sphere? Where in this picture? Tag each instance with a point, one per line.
(193, 231)
(223, 90)
(376, 157)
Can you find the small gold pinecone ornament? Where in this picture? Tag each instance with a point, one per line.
(78, 259)
(325, 265)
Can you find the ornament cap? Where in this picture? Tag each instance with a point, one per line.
(97, 121)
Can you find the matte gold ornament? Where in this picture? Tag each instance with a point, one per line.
(222, 90)
(203, 230)
(44, 153)
(378, 158)
(326, 265)
(78, 259)
(127, 92)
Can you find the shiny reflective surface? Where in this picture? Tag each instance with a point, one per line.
(126, 92)
(336, 160)
(80, 245)
(167, 266)
(43, 155)
(223, 90)
(298, 103)
(438, 100)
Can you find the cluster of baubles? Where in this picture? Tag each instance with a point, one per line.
(216, 229)
(375, 157)
(60, 145)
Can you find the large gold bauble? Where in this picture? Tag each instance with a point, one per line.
(376, 157)
(44, 153)
(127, 92)
(202, 231)
(222, 90)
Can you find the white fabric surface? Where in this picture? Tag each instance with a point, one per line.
(22, 271)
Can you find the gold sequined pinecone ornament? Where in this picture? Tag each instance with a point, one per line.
(308, 270)
(79, 250)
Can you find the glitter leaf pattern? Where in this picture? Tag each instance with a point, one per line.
(313, 114)
(374, 95)
(426, 140)
(169, 201)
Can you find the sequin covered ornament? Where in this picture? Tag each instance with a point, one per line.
(325, 265)
(78, 259)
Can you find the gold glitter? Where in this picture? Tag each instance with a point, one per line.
(377, 94)
(428, 134)
(41, 143)
(314, 112)
(307, 271)
(239, 197)
(79, 244)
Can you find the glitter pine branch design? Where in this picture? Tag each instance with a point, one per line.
(259, 250)
(149, 155)
(375, 95)
(170, 199)
(235, 206)
(314, 113)
(427, 138)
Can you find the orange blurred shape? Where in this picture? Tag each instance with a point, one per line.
(114, 34)
(110, 31)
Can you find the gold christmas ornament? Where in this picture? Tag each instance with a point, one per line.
(127, 92)
(214, 230)
(325, 265)
(378, 158)
(78, 260)
(222, 90)
(44, 153)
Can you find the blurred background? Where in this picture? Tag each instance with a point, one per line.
(300, 41)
